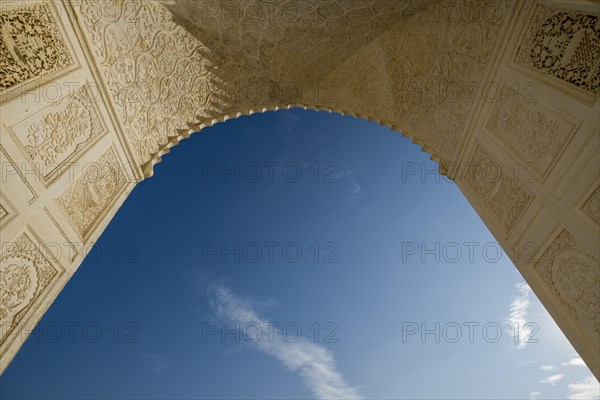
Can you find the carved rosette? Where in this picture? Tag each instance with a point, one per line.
(573, 275)
(30, 45)
(501, 193)
(25, 274)
(564, 44)
(89, 197)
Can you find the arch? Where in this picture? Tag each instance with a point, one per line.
(464, 80)
(155, 158)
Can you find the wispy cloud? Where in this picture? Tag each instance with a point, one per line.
(552, 379)
(574, 362)
(534, 395)
(158, 362)
(517, 317)
(314, 363)
(346, 175)
(547, 367)
(586, 389)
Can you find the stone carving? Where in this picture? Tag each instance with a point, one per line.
(30, 45)
(425, 80)
(25, 273)
(163, 78)
(564, 44)
(51, 139)
(3, 213)
(86, 200)
(573, 274)
(500, 193)
(592, 206)
(158, 74)
(527, 129)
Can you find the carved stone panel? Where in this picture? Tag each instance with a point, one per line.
(564, 44)
(500, 193)
(53, 137)
(25, 275)
(532, 132)
(89, 197)
(573, 275)
(591, 207)
(155, 71)
(31, 46)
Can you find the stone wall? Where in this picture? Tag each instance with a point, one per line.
(503, 94)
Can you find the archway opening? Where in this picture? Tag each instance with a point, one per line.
(372, 269)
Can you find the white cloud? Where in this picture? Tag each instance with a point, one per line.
(354, 191)
(314, 363)
(346, 175)
(574, 362)
(552, 379)
(547, 367)
(517, 317)
(534, 395)
(586, 389)
(158, 362)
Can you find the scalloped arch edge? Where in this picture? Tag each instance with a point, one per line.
(155, 158)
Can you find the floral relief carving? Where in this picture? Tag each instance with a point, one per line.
(25, 273)
(592, 206)
(158, 74)
(86, 200)
(528, 129)
(52, 138)
(573, 275)
(30, 45)
(500, 193)
(564, 44)
(175, 65)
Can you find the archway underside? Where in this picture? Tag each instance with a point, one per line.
(114, 85)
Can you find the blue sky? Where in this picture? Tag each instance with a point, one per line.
(330, 237)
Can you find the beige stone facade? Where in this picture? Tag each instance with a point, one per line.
(503, 94)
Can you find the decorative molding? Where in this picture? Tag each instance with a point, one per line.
(6, 173)
(591, 207)
(572, 273)
(501, 194)
(8, 212)
(31, 47)
(563, 44)
(66, 128)
(74, 252)
(90, 196)
(26, 275)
